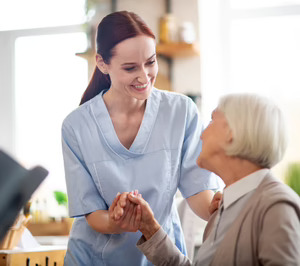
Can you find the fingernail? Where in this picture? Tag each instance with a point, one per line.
(118, 193)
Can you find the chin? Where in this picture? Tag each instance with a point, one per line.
(201, 162)
(144, 95)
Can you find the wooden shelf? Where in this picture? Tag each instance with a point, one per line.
(178, 49)
(51, 228)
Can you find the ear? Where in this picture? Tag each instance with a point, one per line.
(102, 66)
(229, 137)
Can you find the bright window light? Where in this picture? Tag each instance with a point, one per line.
(265, 56)
(20, 14)
(50, 80)
(245, 4)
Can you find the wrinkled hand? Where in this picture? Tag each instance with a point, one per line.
(124, 215)
(215, 203)
(145, 217)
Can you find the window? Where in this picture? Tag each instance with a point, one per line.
(20, 14)
(49, 82)
(41, 80)
(253, 46)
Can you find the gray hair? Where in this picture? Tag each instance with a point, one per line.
(258, 128)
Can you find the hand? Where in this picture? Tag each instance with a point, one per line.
(121, 203)
(215, 203)
(123, 214)
(145, 217)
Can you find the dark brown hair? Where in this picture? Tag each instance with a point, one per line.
(113, 29)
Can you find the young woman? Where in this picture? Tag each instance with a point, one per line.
(128, 135)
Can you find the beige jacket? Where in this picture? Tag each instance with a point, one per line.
(267, 232)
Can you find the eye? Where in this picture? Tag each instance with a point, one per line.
(151, 62)
(129, 69)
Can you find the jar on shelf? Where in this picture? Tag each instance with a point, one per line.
(168, 29)
(187, 32)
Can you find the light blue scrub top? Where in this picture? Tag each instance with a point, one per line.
(161, 159)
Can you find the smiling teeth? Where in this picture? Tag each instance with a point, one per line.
(142, 86)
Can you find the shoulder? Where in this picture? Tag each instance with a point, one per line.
(171, 96)
(174, 100)
(80, 116)
(273, 191)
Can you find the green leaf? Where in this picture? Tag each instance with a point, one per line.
(293, 177)
(61, 198)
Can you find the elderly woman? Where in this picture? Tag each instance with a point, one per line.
(257, 222)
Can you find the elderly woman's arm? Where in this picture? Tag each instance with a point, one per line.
(279, 242)
(155, 243)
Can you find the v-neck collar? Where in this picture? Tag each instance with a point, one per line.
(104, 122)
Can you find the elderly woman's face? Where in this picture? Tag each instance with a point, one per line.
(214, 140)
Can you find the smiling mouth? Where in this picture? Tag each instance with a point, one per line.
(141, 86)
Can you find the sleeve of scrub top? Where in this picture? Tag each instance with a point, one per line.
(194, 179)
(83, 196)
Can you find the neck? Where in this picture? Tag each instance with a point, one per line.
(232, 169)
(117, 103)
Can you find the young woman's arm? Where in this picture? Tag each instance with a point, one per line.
(103, 221)
(200, 203)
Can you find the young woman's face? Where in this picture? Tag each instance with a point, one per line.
(133, 67)
(214, 140)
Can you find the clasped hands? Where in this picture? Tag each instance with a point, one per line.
(129, 212)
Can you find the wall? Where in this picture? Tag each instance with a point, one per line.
(6, 94)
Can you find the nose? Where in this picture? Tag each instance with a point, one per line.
(202, 133)
(201, 136)
(143, 76)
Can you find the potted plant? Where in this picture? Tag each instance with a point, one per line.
(62, 200)
(293, 177)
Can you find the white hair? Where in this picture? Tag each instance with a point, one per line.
(258, 128)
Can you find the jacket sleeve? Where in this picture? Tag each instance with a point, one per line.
(280, 241)
(160, 250)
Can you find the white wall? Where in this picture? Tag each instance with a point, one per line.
(7, 126)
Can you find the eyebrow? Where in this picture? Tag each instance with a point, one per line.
(125, 64)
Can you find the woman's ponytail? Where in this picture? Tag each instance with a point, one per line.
(98, 83)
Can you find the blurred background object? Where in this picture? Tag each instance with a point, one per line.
(16, 187)
(292, 178)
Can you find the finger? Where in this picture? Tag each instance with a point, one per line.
(114, 203)
(135, 199)
(122, 200)
(218, 196)
(118, 212)
(213, 207)
(133, 226)
(138, 216)
(126, 218)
